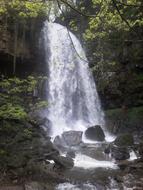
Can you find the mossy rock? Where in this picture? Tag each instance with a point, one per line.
(124, 140)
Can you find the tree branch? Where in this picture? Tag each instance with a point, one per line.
(124, 19)
(70, 35)
(129, 5)
(79, 12)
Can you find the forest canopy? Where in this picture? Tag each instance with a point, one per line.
(22, 8)
(108, 15)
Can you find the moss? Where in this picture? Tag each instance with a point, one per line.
(11, 111)
(125, 119)
(131, 112)
(124, 140)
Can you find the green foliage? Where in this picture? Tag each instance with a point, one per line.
(109, 20)
(23, 9)
(27, 133)
(17, 98)
(10, 111)
(123, 119)
(73, 25)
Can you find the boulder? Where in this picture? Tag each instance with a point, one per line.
(107, 149)
(72, 138)
(140, 149)
(70, 154)
(34, 185)
(96, 153)
(124, 140)
(60, 143)
(64, 162)
(95, 133)
(120, 153)
(123, 164)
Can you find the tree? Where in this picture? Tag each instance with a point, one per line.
(18, 12)
(17, 97)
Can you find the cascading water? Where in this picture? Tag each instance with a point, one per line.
(72, 97)
(73, 104)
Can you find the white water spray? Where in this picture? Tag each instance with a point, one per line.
(73, 100)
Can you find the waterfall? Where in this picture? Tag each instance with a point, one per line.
(73, 102)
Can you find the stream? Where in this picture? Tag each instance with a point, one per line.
(74, 105)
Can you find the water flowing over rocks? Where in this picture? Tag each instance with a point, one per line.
(74, 105)
(95, 151)
(69, 162)
(72, 96)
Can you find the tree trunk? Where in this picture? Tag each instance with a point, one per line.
(15, 46)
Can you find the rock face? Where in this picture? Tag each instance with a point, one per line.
(120, 148)
(34, 185)
(140, 149)
(61, 162)
(124, 140)
(59, 142)
(68, 138)
(72, 138)
(64, 162)
(70, 154)
(95, 152)
(120, 153)
(95, 133)
(46, 125)
(27, 53)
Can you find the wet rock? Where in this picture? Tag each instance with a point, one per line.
(11, 188)
(123, 164)
(137, 166)
(120, 153)
(95, 152)
(38, 186)
(107, 149)
(40, 120)
(70, 154)
(124, 140)
(62, 162)
(140, 149)
(132, 181)
(36, 116)
(45, 151)
(95, 133)
(72, 138)
(32, 186)
(60, 143)
(45, 124)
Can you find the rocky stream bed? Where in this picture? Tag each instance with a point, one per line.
(71, 164)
